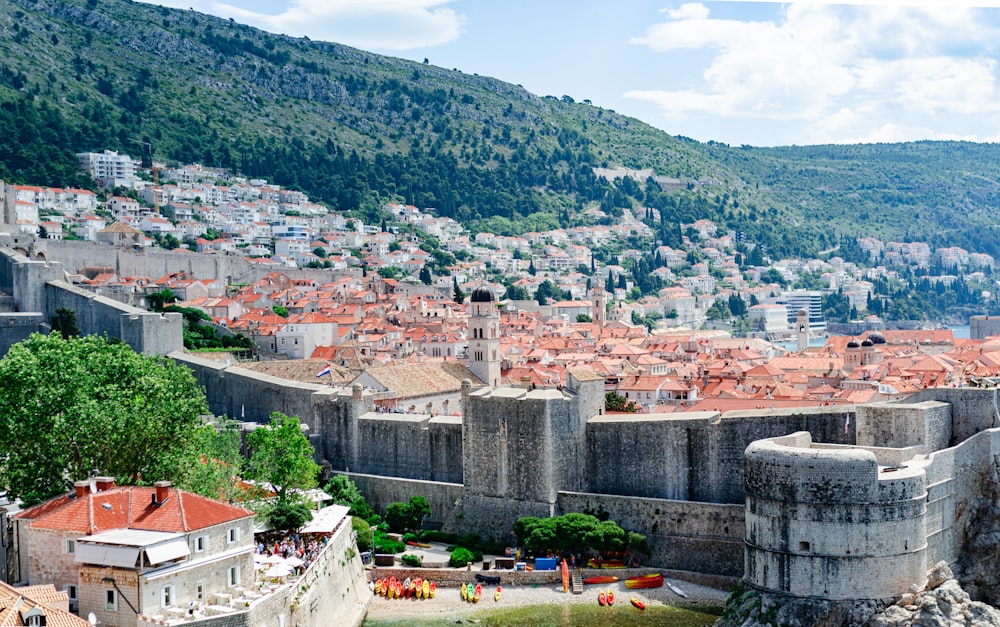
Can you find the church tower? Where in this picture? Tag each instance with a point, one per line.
(802, 330)
(600, 299)
(484, 336)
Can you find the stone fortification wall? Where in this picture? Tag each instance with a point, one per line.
(925, 424)
(416, 446)
(831, 523)
(380, 491)
(703, 537)
(718, 467)
(251, 396)
(645, 455)
(335, 586)
(17, 327)
(972, 409)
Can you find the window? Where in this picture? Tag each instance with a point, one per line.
(34, 621)
(200, 544)
(111, 600)
(233, 535)
(199, 592)
(167, 596)
(234, 576)
(71, 546)
(71, 592)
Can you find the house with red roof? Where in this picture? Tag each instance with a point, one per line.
(125, 551)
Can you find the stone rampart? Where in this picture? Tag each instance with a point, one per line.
(702, 537)
(926, 424)
(380, 491)
(972, 409)
(832, 522)
(416, 446)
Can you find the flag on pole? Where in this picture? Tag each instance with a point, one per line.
(847, 423)
(325, 371)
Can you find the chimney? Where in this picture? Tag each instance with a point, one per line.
(104, 483)
(526, 382)
(82, 488)
(162, 491)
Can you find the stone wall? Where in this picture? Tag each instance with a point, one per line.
(899, 425)
(18, 327)
(380, 491)
(416, 446)
(831, 523)
(703, 537)
(972, 409)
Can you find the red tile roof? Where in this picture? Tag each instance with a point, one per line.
(131, 507)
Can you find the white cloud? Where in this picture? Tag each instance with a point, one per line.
(385, 24)
(816, 63)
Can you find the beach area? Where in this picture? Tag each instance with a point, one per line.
(663, 606)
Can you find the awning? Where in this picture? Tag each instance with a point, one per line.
(122, 556)
(174, 549)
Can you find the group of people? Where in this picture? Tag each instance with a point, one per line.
(307, 548)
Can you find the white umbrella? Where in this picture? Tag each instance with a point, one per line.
(294, 562)
(259, 558)
(275, 559)
(278, 570)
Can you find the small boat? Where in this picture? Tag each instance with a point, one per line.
(600, 579)
(465, 594)
(602, 599)
(378, 586)
(478, 593)
(391, 590)
(399, 590)
(611, 596)
(418, 587)
(639, 604)
(434, 589)
(496, 595)
(426, 590)
(677, 590)
(565, 575)
(422, 545)
(645, 581)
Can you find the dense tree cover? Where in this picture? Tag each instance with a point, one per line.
(69, 406)
(407, 516)
(214, 463)
(574, 533)
(282, 457)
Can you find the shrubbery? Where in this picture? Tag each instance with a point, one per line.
(460, 557)
(412, 560)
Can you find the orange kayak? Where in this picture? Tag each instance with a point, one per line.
(645, 581)
(639, 604)
(601, 599)
(600, 579)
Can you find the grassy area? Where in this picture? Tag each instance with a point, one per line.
(572, 615)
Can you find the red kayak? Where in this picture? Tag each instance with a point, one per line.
(601, 599)
(639, 604)
(645, 581)
(600, 579)
(565, 576)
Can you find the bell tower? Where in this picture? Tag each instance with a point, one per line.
(484, 336)
(802, 330)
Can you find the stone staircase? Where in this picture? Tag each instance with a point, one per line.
(576, 582)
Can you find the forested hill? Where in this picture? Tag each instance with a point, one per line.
(355, 129)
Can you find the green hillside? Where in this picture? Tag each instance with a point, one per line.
(355, 129)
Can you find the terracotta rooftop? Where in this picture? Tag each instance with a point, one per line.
(131, 507)
(15, 603)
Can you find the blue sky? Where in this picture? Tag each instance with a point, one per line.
(756, 73)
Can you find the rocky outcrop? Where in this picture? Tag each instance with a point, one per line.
(942, 603)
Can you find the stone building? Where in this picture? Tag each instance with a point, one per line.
(484, 336)
(123, 551)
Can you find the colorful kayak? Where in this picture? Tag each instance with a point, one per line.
(418, 587)
(399, 590)
(434, 589)
(422, 545)
(406, 587)
(602, 599)
(496, 595)
(565, 576)
(611, 596)
(465, 594)
(639, 604)
(645, 581)
(426, 590)
(600, 579)
(478, 593)
(378, 586)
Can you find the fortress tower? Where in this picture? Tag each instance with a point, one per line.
(484, 336)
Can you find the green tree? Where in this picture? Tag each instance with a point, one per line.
(281, 455)
(68, 406)
(457, 294)
(64, 322)
(409, 516)
(425, 276)
(213, 466)
(616, 402)
(516, 292)
(583, 318)
(280, 310)
(158, 300)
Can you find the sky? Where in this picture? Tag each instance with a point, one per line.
(756, 73)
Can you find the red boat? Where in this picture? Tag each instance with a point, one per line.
(601, 599)
(645, 581)
(600, 579)
(639, 604)
(611, 596)
(565, 576)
